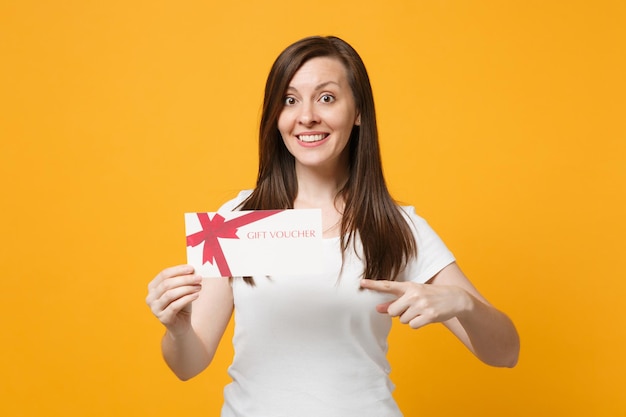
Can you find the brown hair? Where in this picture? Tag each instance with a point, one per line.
(370, 211)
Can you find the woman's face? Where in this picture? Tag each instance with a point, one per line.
(318, 115)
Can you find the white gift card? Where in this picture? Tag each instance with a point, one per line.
(254, 243)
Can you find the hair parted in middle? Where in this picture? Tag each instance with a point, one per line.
(370, 213)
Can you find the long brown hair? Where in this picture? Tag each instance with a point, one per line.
(370, 213)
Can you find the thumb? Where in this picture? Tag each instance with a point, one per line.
(384, 307)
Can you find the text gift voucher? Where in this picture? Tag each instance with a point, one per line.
(255, 243)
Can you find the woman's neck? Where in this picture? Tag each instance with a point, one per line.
(319, 188)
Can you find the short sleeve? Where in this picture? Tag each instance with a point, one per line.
(432, 253)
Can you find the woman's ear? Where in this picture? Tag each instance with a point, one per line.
(357, 122)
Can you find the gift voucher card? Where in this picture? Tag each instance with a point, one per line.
(255, 243)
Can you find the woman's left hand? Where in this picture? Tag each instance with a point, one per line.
(450, 298)
(420, 304)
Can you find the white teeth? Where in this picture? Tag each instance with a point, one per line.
(311, 138)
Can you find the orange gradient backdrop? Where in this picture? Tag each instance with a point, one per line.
(502, 122)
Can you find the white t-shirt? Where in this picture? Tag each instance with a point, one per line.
(315, 345)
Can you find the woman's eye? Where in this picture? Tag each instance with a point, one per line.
(289, 101)
(327, 98)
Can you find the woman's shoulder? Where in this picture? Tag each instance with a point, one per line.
(233, 204)
(418, 224)
(411, 215)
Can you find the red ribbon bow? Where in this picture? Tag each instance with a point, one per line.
(215, 228)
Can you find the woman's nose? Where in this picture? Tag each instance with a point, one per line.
(308, 115)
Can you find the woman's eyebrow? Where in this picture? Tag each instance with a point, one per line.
(317, 87)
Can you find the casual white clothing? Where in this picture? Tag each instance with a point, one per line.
(315, 345)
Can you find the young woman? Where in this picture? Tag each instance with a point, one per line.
(316, 345)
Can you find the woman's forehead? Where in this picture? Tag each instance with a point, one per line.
(320, 71)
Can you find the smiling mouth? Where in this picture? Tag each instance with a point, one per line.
(312, 138)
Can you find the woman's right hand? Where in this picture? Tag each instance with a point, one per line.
(170, 295)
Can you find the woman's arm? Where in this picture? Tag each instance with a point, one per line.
(195, 312)
(486, 331)
(450, 298)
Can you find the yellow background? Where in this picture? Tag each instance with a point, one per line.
(501, 121)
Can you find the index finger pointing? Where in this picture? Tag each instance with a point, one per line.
(389, 287)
